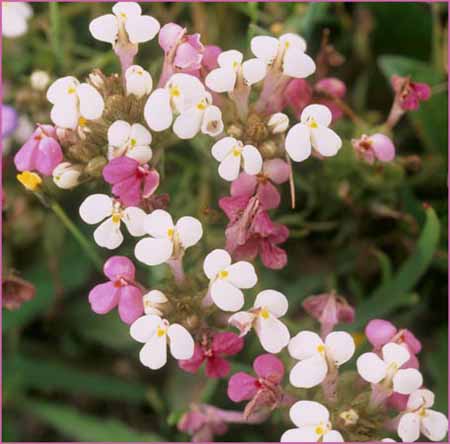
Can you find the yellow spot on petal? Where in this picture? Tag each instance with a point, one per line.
(235, 64)
(123, 15)
(264, 313)
(319, 430)
(71, 90)
(236, 152)
(321, 348)
(82, 121)
(312, 122)
(201, 105)
(160, 332)
(170, 232)
(422, 412)
(31, 181)
(133, 142)
(174, 91)
(116, 217)
(223, 274)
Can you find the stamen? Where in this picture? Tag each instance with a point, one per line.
(174, 91)
(321, 348)
(223, 274)
(82, 121)
(170, 232)
(116, 218)
(160, 332)
(264, 313)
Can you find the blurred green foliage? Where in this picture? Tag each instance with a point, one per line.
(69, 374)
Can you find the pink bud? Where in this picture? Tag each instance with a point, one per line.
(169, 36)
(242, 387)
(297, 95)
(117, 267)
(277, 170)
(331, 86)
(380, 332)
(269, 367)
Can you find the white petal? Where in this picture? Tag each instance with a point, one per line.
(293, 41)
(95, 208)
(340, 347)
(278, 123)
(216, 261)
(189, 230)
(142, 154)
(108, 234)
(104, 28)
(138, 81)
(143, 328)
(320, 113)
(212, 123)
(140, 134)
(226, 296)
(223, 147)
(119, 133)
(304, 345)
(242, 275)
(309, 372)
(395, 353)
(434, 425)
(333, 436)
(154, 352)
(230, 58)
(134, 218)
(65, 114)
(221, 80)
(142, 28)
(229, 167)
(325, 141)
(272, 333)
(157, 110)
(158, 223)
(306, 413)
(303, 434)
(191, 91)
(274, 301)
(265, 47)
(129, 9)
(252, 160)
(91, 102)
(298, 142)
(298, 64)
(420, 398)
(407, 380)
(180, 342)
(409, 427)
(153, 251)
(60, 88)
(254, 70)
(243, 321)
(371, 367)
(188, 123)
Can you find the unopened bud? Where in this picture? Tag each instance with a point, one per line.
(268, 149)
(278, 123)
(95, 166)
(66, 175)
(97, 79)
(138, 81)
(155, 302)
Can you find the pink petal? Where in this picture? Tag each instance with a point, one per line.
(192, 421)
(227, 343)
(242, 387)
(412, 362)
(379, 332)
(262, 224)
(244, 185)
(151, 183)
(297, 95)
(276, 170)
(398, 401)
(280, 234)
(169, 36)
(247, 251)
(269, 367)
(272, 256)
(268, 195)
(232, 206)
(210, 55)
(103, 297)
(187, 57)
(131, 306)
(128, 191)
(383, 147)
(24, 160)
(332, 86)
(119, 267)
(414, 345)
(217, 367)
(193, 364)
(422, 90)
(119, 169)
(48, 155)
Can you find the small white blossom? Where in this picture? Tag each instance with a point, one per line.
(39, 80)
(100, 207)
(263, 317)
(74, 103)
(227, 279)
(155, 333)
(66, 175)
(127, 19)
(138, 81)
(167, 240)
(278, 123)
(231, 153)
(318, 358)
(15, 16)
(129, 140)
(224, 78)
(153, 300)
(419, 418)
(375, 370)
(312, 132)
(313, 422)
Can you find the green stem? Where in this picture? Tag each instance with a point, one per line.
(78, 235)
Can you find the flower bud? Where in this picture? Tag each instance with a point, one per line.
(154, 302)
(66, 175)
(138, 81)
(332, 87)
(278, 123)
(39, 80)
(97, 79)
(95, 166)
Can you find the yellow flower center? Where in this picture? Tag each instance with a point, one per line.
(170, 232)
(116, 217)
(174, 91)
(123, 15)
(236, 152)
(71, 90)
(223, 274)
(422, 412)
(201, 105)
(319, 430)
(235, 64)
(160, 332)
(82, 121)
(31, 181)
(133, 142)
(312, 122)
(321, 348)
(264, 313)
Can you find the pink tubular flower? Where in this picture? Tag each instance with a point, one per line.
(297, 95)
(120, 291)
(374, 147)
(409, 94)
(131, 181)
(333, 88)
(41, 152)
(329, 309)
(212, 350)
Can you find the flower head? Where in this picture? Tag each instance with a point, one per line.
(138, 81)
(157, 334)
(409, 94)
(15, 16)
(100, 207)
(119, 291)
(374, 147)
(10, 120)
(66, 175)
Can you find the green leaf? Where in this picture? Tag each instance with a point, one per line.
(81, 427)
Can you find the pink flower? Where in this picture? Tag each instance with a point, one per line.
(121, 291)
(41, 152)
(210, 55)
(212, 350)
(329, 309)
(131, 181)
(333, 87)
(297, 95)
(374, 147)
(409, 94)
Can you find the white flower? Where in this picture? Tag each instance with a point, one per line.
(224, 78)
(263, 317)
(39, 80)
(74, 103)
(66, 175)
(153, 301)
(127, 19)
(226, 279)
(98, 207)
(129, 140)
(278, 123)
(318, 358)
(155, 332)
(313, 422)
(421, 419)
(374, 369)
(167, 239)
(138, 81)
(288, 51)
(15, 16)
(231, 153)
(312, 132)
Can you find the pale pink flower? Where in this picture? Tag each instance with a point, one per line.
(374, 147)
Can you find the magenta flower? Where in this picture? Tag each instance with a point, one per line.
(9, 120)
(212, 350)
(409, 94)
(210, 55)
(297, 95)
(334, 88)
(121, 291)
(41, 152)
(374, 147)
(329, 309)
(131, 181)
